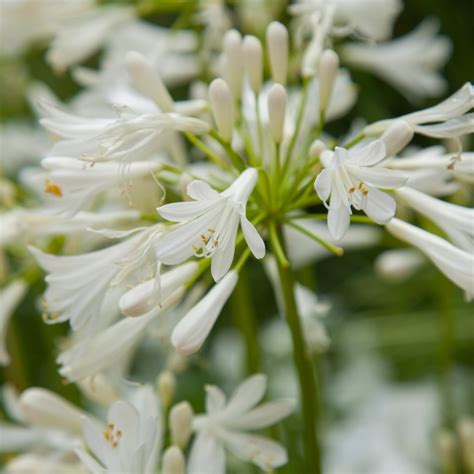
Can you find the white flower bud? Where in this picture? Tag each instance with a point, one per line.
(41, 407)
(144, 297)
(180, 420)
(276, 111)
(316, 148)
(222, 105)
(465, 430)
(398, 264)
(397, 137)
(233, 62)
(190, 333)
(447, 451)
(328, 66)
(253, 60)
(173, 461)
(166, 387)
(147, 81)
(277, 42)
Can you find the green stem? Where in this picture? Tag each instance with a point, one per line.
(305, 371)
(234, 157)
(214, 157)
(355, 141)
(245, 318)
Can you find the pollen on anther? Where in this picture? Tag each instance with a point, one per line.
(52, 188)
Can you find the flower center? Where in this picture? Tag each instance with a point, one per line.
(209, 244)
(112, 435)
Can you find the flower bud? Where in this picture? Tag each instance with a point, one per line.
(277, 42)
(398, 264)
(276, 111)
(233, 62)
(328, 66)
(144, 297)
(190, 333)
(41, 407)
(173, 461)
(465, 430)
(397, 137)
(253, 60)
(180, 420)
(147, 81)
(447, 451)
(166, 387)
(222, 105)
(316, 148)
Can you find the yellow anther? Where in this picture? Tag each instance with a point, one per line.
(52, 188)
(211, 230)
(352, 189)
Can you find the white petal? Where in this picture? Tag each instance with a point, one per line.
(201, 191)
(215, 399)
(380, 206)
(380, 177)
(184, 211)
(454, 127)
(338, 221)
(370, 154)
(94, 438)
(322, 185)
(247, 394)
(252, 237)
(207, 455)
(89, 462)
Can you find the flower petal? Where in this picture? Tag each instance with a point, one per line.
(252, 237)
(184, 211)
(371, 154)
(380, 177)
(338, 221)
(207, 455)
(379, 206)
(322, 185)
(201, 191)
(247, 394)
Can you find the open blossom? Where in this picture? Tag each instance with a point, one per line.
(208, 225)
(455, 263)
(409, 63)
(227, 423)
(351, 179)
(130, 441)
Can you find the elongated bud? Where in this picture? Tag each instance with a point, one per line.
(397, 137)
(328, 66)
(181, 420)
(222, 105)
(144, 297)
(173, 461)
(465, 430)
(398, 264)
(166, 387)
(277, 42)
(447, 451)
(191, 332)
(276, 111)
(40, 407)
(147, 81)
(316, 148)
(233, 62)
(253, 60)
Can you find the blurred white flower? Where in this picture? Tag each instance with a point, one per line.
(226, 424)
(10, 297)
(409, 63)
(351, 178)
(398, 264)
(208, 225)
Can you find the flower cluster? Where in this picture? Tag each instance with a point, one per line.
(164, 203)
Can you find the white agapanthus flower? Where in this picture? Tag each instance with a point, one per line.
(226, 426)
(208, 225)
(351, 179)
(409, 63)
(455, 263)
(456, 221)
(10, 296)
(131, 439)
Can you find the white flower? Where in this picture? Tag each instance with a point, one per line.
(456, 264)
(226, 423)
(398, 264)
(82, 35)
(352, 179)
(454, 106)
(409, 63)
(208, 225)
(72, 184)
(456, 221)
(130, 442)
(133, 136)
(10, 297)
(78, 284)
(191, 332)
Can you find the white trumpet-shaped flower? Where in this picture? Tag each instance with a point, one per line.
(130, 441)
(409, 63)
(191, 332)
(351, 179)
(454, 106)
(226, 424)
(208, 225)
(456, 264)
(456, 221)
(77, 284)
(133, 136)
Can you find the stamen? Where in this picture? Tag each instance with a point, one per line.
(52, 188)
